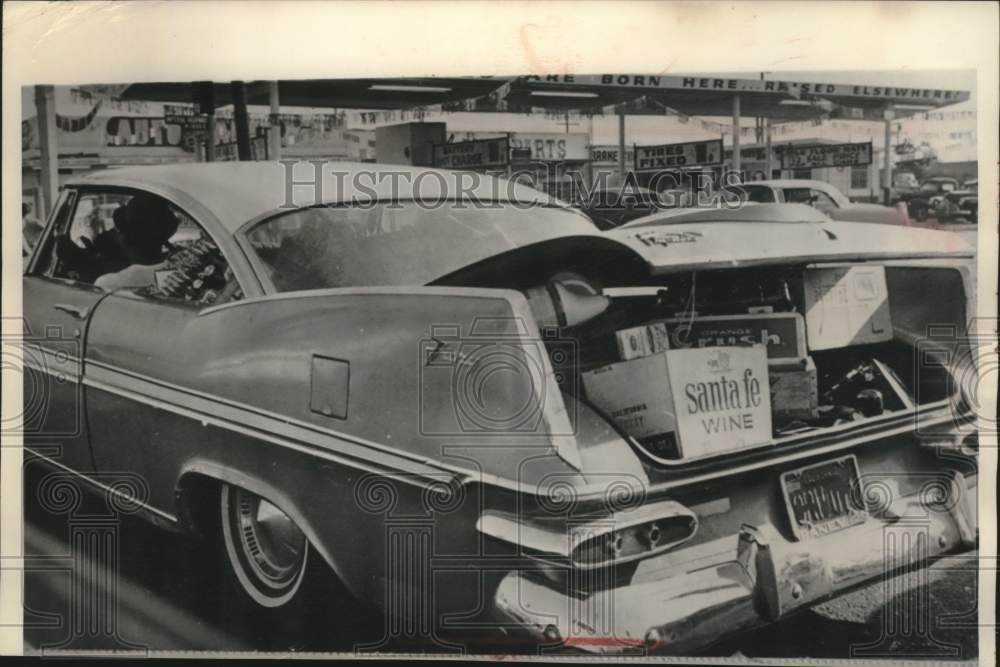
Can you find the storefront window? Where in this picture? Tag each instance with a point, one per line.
(859, 178)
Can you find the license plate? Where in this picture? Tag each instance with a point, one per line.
(824, 497)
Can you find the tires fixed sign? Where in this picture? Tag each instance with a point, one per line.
(673, 156)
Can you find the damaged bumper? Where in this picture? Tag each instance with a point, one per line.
(755, 577)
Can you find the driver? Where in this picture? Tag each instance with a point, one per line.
(145, 224)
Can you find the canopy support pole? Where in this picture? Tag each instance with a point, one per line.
(242, 121)
(621, 143)
(768, 168)
(887, 157)
(46, 105)
(274, 140)
(210, 139)
(736, 133)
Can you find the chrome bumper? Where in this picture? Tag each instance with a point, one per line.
(765, 577)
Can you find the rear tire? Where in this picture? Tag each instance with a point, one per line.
(268, 554)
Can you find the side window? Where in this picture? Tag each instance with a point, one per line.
(798, 195)
(141, 242)
(759, 194)
(823, 201)
(83, 246)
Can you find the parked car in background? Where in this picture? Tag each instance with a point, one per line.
(961, 205)
(922, 203)
(613, 207)
(747, 213)
(352, 384)
(822, 196)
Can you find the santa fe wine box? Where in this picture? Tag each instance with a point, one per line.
(712, 400)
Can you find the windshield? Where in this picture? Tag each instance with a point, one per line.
(401, 243)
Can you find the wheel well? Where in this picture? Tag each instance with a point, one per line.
(197, 498)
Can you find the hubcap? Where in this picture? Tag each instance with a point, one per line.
(273, 545)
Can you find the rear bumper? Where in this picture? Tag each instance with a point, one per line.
(761, 577)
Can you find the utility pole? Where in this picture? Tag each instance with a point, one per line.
(621, 143)
(45, 103)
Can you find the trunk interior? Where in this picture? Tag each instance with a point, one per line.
(878, 375)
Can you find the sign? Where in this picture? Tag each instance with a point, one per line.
(846, 306)
(556, 147)
(609, 155)
(688, 403)
(189, 123)
(520, 155)
(782, 334)
(186, 117)
(674, 156)
(797, 89)
(475, 154)
(825, 155)
(544, 146)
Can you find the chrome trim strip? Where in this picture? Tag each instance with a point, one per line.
(107, 489)
(52, 360)
(414, 476)
(210, 415)
(255, 413)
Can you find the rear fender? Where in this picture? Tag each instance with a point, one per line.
(196, 473)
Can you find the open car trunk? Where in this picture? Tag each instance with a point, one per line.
(834, 350)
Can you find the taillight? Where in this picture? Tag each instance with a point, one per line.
(590, 543)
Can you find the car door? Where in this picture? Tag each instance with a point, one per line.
(57, 313)
(142, 358)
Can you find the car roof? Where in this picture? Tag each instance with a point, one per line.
(237, 192)
(791, 183)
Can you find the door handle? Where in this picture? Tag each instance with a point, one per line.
(79, 312)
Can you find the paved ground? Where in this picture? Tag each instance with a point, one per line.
(168, 598)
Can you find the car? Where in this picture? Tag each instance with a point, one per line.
(921, 203)
(612, 207)
(822, 196)
(396, 385)
(961, 205)
(745, 212)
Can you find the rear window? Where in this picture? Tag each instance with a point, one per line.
(398, 243)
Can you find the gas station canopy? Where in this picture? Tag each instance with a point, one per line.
(696, 95)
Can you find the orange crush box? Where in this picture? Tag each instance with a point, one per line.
(782, 333)
(688, 403)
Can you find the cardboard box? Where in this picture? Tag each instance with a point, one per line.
(794, 392)
(846, 305)
(782, 333)
(710, 400)
(642, 341)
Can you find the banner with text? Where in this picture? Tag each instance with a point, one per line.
(676, 156)
(825, 155)
(476, 154)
